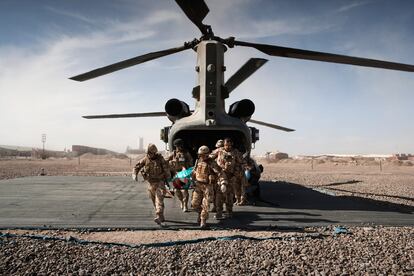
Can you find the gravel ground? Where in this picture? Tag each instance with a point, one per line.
(363, 251)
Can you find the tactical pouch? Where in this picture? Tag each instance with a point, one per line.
(145, 175)
(212, 179)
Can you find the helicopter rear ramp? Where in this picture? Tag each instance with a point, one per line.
(118, 202)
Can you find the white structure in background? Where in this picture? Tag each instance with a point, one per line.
(275, 156)
(141, 144)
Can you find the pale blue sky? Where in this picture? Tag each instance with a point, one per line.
(334, 108)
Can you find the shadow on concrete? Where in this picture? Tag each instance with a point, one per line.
(180, 222)
(257, 220)
(294, 196)
(117, 202)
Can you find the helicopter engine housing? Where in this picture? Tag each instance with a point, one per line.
(243, 109)
(176, 109)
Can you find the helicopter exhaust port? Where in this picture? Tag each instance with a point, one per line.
(243, 109)
(176, 109)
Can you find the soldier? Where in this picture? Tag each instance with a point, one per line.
(254, 171)
(244, 181)
(231, 161)
(205, 173)
(178, 160)
(219, 145)
(155, 171)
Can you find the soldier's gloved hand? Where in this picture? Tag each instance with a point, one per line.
(224, 182)
(223, 186)
(134, 177)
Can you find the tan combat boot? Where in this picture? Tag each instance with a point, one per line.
(238, 201)
(218, 216)
(243, 201)
(157, 221)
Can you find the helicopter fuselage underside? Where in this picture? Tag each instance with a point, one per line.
(209, 121)
(197, 132)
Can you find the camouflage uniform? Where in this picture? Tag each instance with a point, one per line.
(231, 162)
(242, 200)
(213, 155)
(178, 160)
(205, 172)
(240, 180)
(155, 170)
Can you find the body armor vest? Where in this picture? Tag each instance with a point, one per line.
(227, 161)
(178, 161)
(153, 169)
(202, 171)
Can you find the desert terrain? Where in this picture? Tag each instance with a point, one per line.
(331, 250)
(392, 182)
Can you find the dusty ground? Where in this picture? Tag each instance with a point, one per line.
(314, 251)
(85, 165)
(148, 237)
(394, 183)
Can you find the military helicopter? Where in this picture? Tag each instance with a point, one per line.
(209, 120)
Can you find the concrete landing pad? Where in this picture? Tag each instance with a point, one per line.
(119, 202)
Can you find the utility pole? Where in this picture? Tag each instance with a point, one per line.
(43, 141)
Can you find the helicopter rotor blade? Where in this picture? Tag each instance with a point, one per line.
(275, 50)
(196, 11)
(244, 72)
(128, 63)
(271, 125)
(128, 115)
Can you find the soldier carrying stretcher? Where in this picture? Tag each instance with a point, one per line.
(231, 162)
(206, 174)
(178, 160)
(219, 145)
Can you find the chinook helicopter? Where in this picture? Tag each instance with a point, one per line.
(209, 120)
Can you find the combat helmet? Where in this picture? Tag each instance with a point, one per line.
(228, 141)
(203, 150)
(228, 144)
(152, 149)
(178, 142)
(220, 143)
